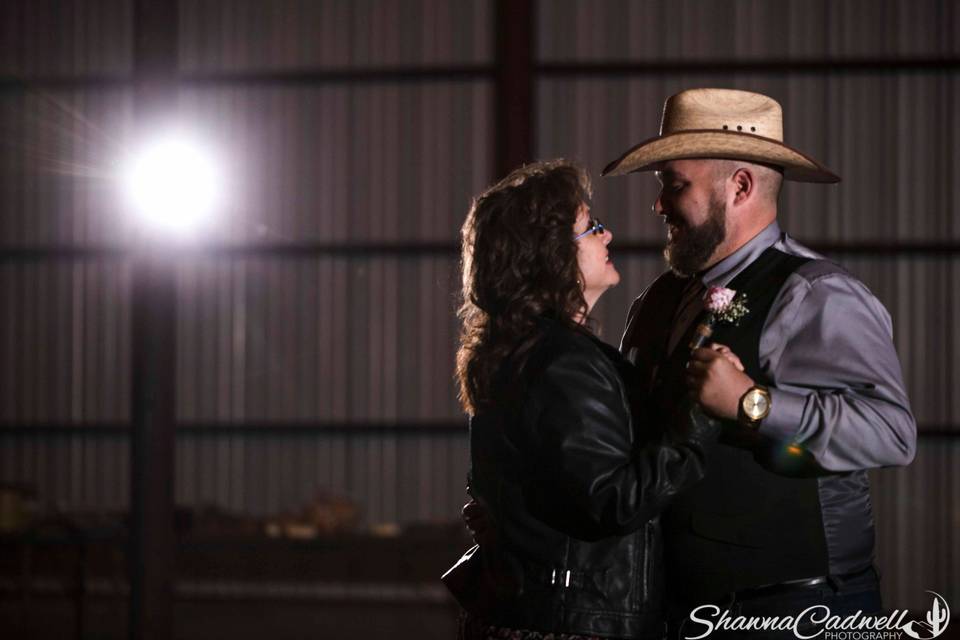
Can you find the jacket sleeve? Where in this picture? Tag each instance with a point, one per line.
(591, 479)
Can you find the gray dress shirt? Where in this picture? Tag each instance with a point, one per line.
(828, 345)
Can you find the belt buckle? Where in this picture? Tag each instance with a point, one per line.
(805, 582)
(553, 578)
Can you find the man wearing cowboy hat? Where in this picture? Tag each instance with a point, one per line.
(783, 519)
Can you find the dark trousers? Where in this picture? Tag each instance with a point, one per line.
(842, 597)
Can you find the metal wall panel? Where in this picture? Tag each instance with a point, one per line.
(393, 478)
(64, 342)
(326, 341)
(260, 341)
(918, 547)
(388, 162)
(78, 473)
(268, 338)
(334, 340)
(249, 35)
(66, 38)
(649, 31)
(920, 294)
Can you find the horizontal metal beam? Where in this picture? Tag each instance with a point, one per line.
(279, 250)
(386, 594)
(840, 66)
(95, 82)
(406, 74)
(305, 77)
(259, 429)
(420, 249)
(287, 428)
(462, 73)
(299, 428)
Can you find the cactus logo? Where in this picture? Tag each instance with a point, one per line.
(936, 623)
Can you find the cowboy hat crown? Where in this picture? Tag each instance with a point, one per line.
(721, 123)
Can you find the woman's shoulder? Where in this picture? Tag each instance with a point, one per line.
(572, 372)
(564, 353)
(561, 346)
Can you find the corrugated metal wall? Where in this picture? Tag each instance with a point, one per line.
(289, 359)
(321, 363)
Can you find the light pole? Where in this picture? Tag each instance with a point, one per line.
(152, 551)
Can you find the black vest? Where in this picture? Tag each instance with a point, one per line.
(755, 519)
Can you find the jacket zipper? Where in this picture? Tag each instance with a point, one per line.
(647, 552)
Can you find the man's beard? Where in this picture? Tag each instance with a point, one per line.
(689, 253)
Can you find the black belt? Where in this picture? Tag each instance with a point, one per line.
(791, 586)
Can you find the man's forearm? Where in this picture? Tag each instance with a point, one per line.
(843, 430)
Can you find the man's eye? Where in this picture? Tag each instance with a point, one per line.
(676, 187)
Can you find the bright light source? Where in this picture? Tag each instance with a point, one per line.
(173, 183)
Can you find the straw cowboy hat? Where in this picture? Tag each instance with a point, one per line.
(721, 123)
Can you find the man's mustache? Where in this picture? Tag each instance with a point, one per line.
(679, 223)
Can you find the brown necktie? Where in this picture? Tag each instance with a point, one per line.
(691, 304)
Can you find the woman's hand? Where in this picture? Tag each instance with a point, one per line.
(475, 517)
(717, 378)
(725, 351)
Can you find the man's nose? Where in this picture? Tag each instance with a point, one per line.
(607, 236)
(658, 205)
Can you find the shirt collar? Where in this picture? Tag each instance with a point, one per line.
(720, 274)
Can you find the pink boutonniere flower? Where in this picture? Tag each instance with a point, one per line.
(718, 298)
(726, 305)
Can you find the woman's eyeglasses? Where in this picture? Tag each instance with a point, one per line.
(595, 227)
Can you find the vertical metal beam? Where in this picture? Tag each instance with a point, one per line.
(514, 89)
(153, 341)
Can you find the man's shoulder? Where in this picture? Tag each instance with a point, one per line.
(816, 267)
(820, 278)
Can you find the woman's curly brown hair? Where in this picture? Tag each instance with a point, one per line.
(519, 262)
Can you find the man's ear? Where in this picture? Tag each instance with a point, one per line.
(744, 185)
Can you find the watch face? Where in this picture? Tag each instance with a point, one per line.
(756, 404)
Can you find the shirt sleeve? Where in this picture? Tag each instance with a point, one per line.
(838, 388)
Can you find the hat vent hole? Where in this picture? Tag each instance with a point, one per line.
(753, 128)
(739, 128)
(725, 127)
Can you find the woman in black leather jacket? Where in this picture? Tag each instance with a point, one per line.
(570, 485)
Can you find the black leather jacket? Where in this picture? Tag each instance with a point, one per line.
(573, 495)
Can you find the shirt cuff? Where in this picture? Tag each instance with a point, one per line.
(786, 413)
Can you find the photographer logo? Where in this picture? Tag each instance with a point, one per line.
(818, 622)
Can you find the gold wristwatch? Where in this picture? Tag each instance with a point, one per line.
(754, 406)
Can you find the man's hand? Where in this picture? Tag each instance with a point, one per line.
(716, 376)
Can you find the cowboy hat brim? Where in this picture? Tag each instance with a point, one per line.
(711, 143)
